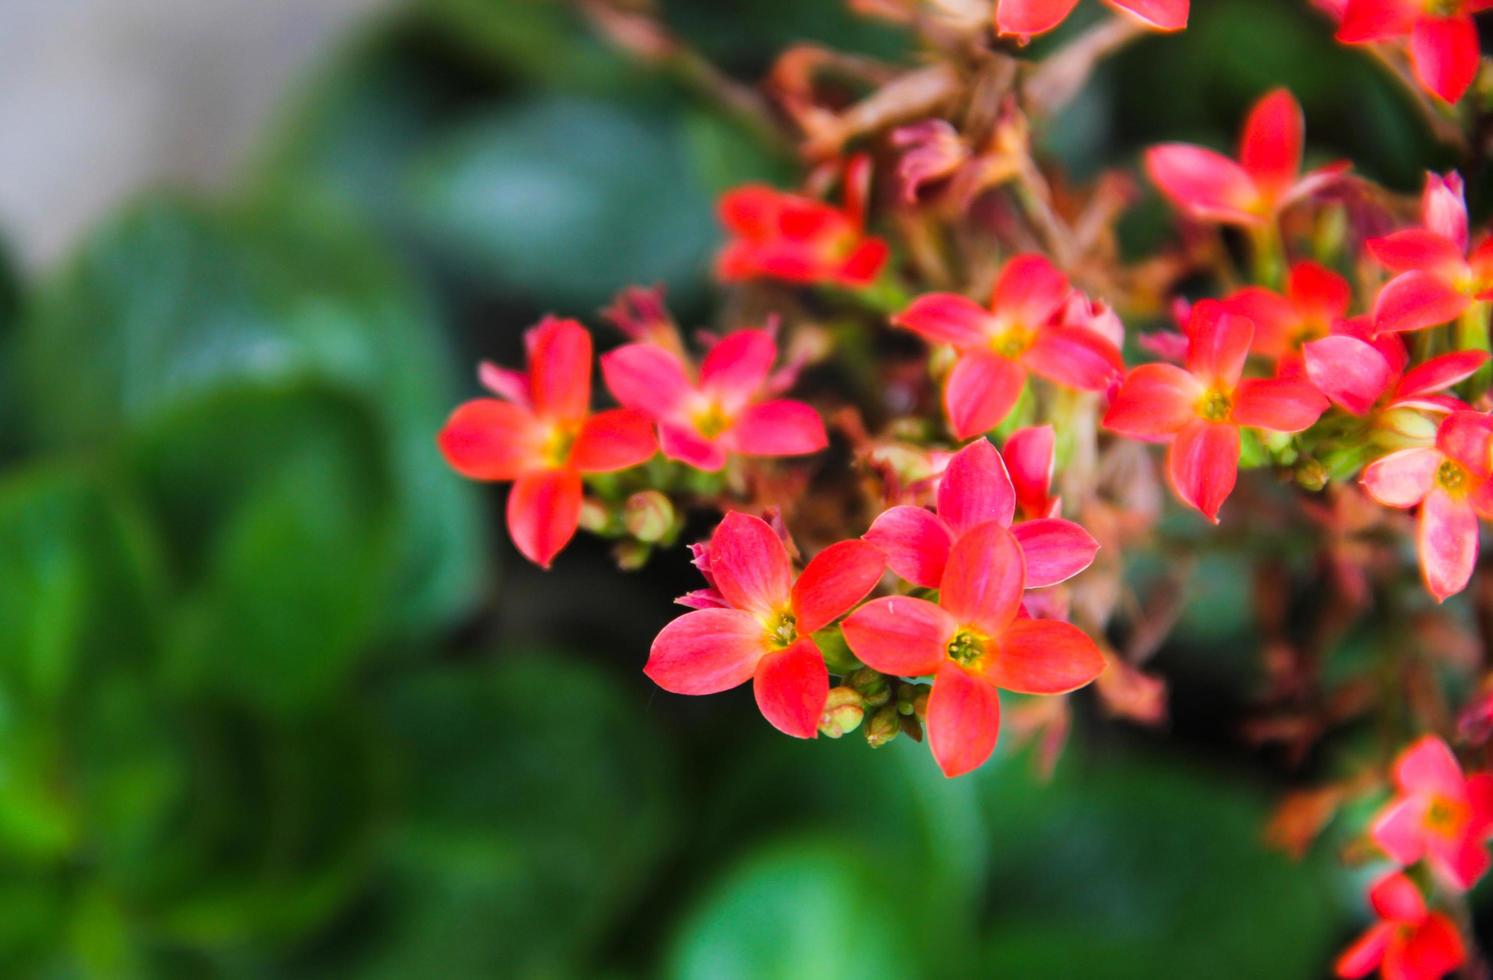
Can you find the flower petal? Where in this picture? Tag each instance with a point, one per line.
(1463, 861)
(964, 720)
(1347, 370)
(1318, 292)
(646, 377)
(1029, 457)
(488, 439)
(689, 447)
(1428, 766)
(1398, 830)
(1440, 373)
(1396, 897)
(900, 635)
(1029, 290)
(706, 651)
(559, 369)
(1163, 15)
(1024, 18)
(791, 687)
(1202, 465)
(1446, 537)
(1377, 20)
(1205, 184)
(1365, 953)
(1444, 53)
(1417, 300)
(1074, 357)
(614, 440)
(1443, 208)
(1270, 147)
(1154, 401)
(1219, 344)
(975, 488)
(544, 509)
(1402, 479)
(981, 391)
(984, 578)
(916, 544)
(778, 428)
(737, 367)
(1433, 950)
(1416, 248)
(750, 565)
(838, 577)
(1055, 550)
(1277, 404)
(1044, 656)
(947, 318)
(1467, 437)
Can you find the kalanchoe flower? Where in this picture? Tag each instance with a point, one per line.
(999, 346)
(1359, 371)
(541, 435)
(1442, 35)
(1200, 409)
(1030, 456)
(1438, 814)
(1024, 18)
(1437, 278)
(759, 625)
(932, 150)
(729, 409)
(1267, 177)
(787, 236)
(1316, 299)
(1452, 484)
(975, 489)
(973, 643)
(1409, 942)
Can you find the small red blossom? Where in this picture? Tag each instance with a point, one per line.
(759, 622)
(1316, 298)
(976, 489)
(1409, 942)
(1200, 409)
(1438, 277)
(973, 642)
(541, 435)
(787, 236)
(1267, 177)
(999, 346)
(1452, 484)
(1024, 18)
(1442, 36)
(1358, 371)
(729, 409)
(1438, 814)
(1031, 458)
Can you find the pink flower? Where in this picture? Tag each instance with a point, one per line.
(976, 489)
(759, 628)
(1452, 484)
(1438, 279)
(540, 434)
(1357, 371)
(1438, 814)
(1267, 177)
(1409, 942)
(1024, 18)
(727, 410)
(999, 346)
(932, 150)
(788, 236)
(1200, 409)
(1030, 455)
(1443, 37)
(1316, 298)
(973, 643)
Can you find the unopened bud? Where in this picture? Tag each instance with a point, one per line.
(648, 516)
(631, 555)
(1401, 428)
(843, 712)
(1311, 475)
(873, 686)
(883, 726)
(594, 516)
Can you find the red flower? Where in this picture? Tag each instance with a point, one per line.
(1023, 18)
(1031, 458)
(1211, 187)
(975, 489)
(1443, 38)
(726, 411)
(1452, 482)
(760, 624)
(999, 346)
(1201, 409)
(1409, 942)
(1439, 814)
(1438, 279)
(973, 643)
(541, 435)
(1356, 370)
(1316, 298)
(788, 236)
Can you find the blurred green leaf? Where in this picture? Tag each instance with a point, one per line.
(173, 300)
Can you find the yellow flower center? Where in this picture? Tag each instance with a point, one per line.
(782, 631)
(967, 648)
(711, 421)
(1445, 817)
(1012, 342)
(557, 445)
(1215, 406)
(1442, 8)
(1451, 477)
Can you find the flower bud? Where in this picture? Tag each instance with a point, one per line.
(843, 712)
(648, 516)
(631, 555)
(872, 686)
(883, 726)
(1311, 475)
(594, 516)
(1400, 428)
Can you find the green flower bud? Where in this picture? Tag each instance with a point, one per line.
(873, 686)
(594, 516)
(843, 712)
(631, 555)
(648, 516)
(883, 726)
(1311, 475)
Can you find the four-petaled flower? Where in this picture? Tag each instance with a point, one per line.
(975, 488)
(1443, 37)
(787, 236)
(1439, 814)
(1357, 370)
(1316, 299)
(999, 346)
(1409, 942)
(1202, 408)
(1252, 191)
(726, 411)
(1452, 482)
(973, 642)
(1024, 18)
(1437, 278)
(541, 435)
(760, 626)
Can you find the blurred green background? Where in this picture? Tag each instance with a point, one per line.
(277, 698)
